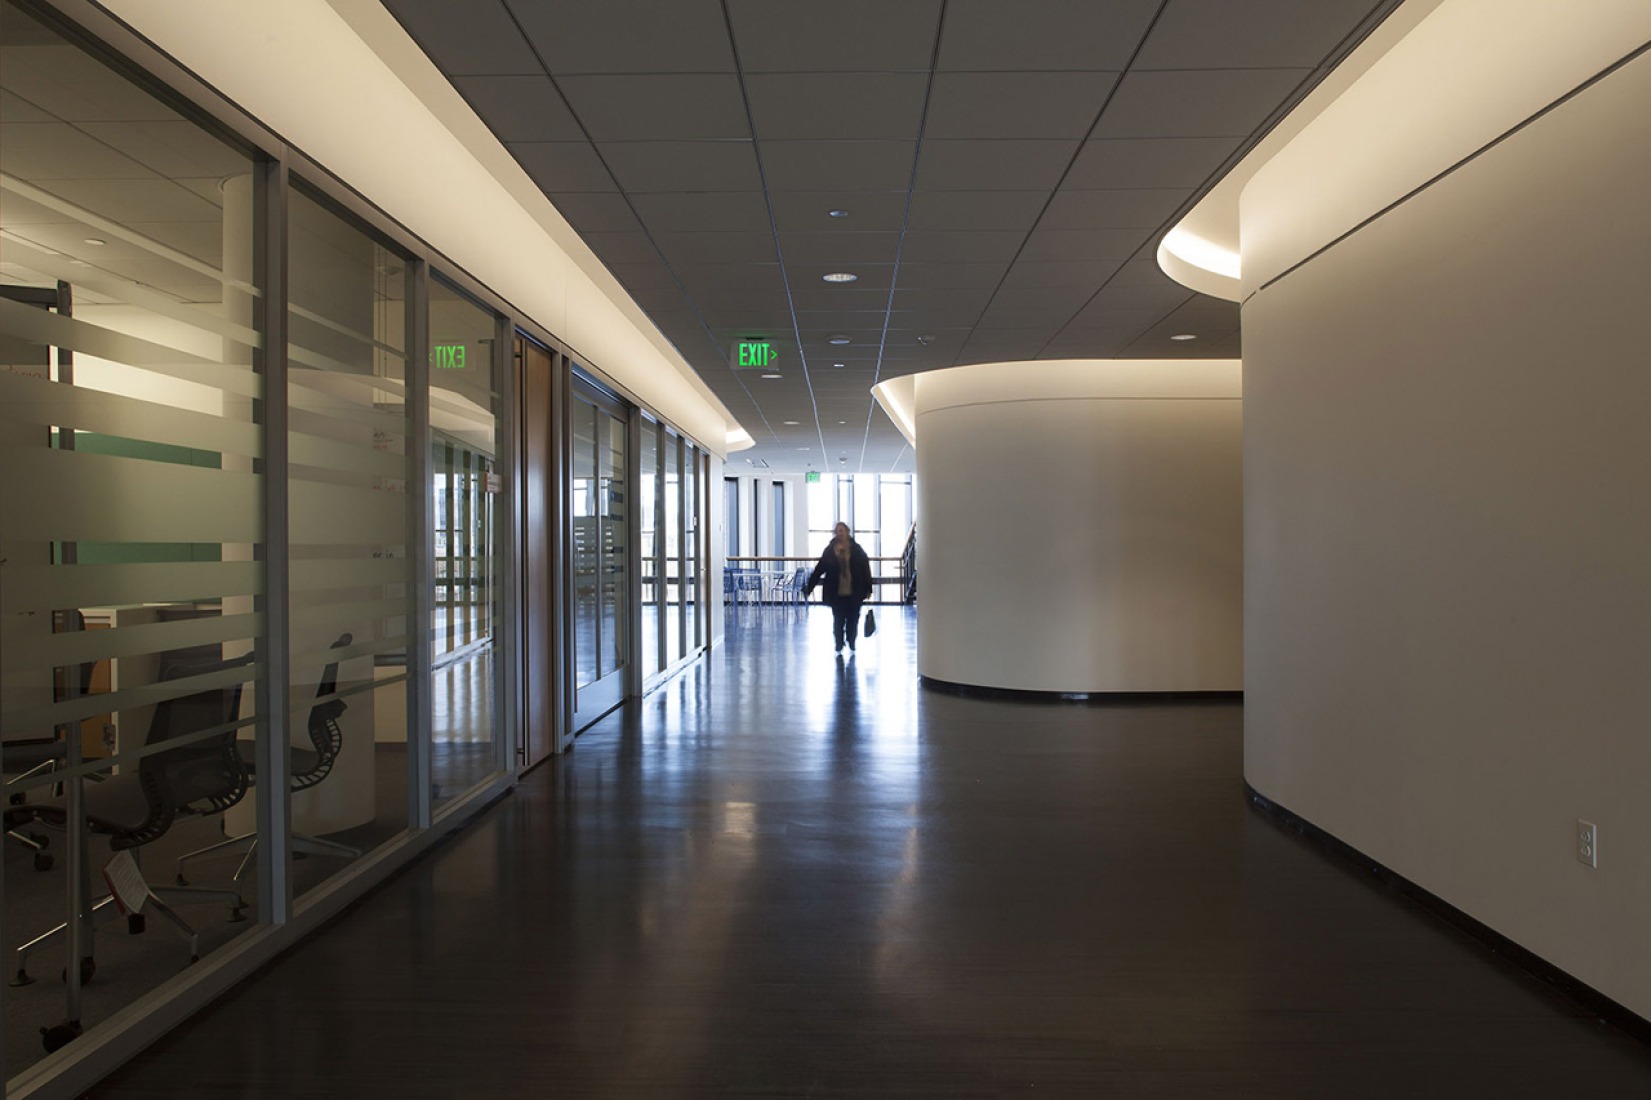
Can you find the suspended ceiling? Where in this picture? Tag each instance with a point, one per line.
(1007, 168)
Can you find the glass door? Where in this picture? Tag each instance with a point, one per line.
(600, 504)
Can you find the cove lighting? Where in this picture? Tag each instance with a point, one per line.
(1198, 252)
(840, 277)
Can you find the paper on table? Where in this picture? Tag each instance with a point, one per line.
(126, 882)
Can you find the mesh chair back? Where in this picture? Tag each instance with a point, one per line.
(205, 776)
(326, 736)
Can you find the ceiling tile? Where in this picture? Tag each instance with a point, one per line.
(941, 246)
(1016, 105)
(707, 211)
(837, 165)
(621, 248)
(836, 106)
(597, 211)
(1050, 320)
(818, 298)
(520, 108)
(1014, 211)
(917, 276)
(1257, 34)
(993, 165)
(1043, 34)
(842, 36)
(1142, 272)
(844, 251)
(648, 275)
(562, 165)
(1083, 244)
(1166, 297)
(651, 107)
(797, 211)
(463, 39)
(1196, 104)
(717, 248)
(1140, 208)
(724, 276)
(1030, 274)
(624, 36)
(1149, 162)
(683, 165)
(1065, 300)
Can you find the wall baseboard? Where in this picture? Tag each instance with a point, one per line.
(1110, 698)
(1506, 950)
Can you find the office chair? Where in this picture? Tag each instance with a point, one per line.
(309, 767)
(138, 806)
(26, 758)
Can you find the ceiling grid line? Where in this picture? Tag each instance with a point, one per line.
(905, 226)
(710, 333)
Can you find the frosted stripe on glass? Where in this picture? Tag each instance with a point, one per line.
(45, 588)
(359, 460)
(335, 573)
(114, 288)
(333, 515)
(320, 415)
(80, 646)
(363, 338)
(358, 618)
(75, 495)
(121, 232)
(25, 322)
(36, 403)
(23, 719)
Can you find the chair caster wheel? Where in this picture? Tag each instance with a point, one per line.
(59, 1035)
(181, 881)
(20, 978)
(43, 861)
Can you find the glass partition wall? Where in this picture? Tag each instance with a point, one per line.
(257, 547)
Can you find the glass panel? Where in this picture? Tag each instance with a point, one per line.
(821, 501)
(648, 517)
(466, 403)
(779, 519)
(673, 547)
(131, 521)
(690, 546)
(865, 515)
(587, 557)
(351, 568)
(615, 543)
(731, 514)
(896, 520)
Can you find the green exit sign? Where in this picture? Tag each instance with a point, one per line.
(447, 356)
(755, 354)
(813, 476)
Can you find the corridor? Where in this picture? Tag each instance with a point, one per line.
(786, 874)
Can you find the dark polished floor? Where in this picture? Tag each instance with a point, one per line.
(784, 875)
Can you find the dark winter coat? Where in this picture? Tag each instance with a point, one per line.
(825, 573)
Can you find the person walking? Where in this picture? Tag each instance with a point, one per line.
(843, 576)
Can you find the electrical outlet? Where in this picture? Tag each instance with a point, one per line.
(1587, 843)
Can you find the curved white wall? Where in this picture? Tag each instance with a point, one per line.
(1080, 525)
(1448, 606)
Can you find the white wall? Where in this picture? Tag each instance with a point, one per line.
(1448, 547)
(1081, 526)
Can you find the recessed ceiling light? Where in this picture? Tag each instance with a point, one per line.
(926, 339)
(773, 376)
(840, 277)
(1183, 336)
(790, 423)
(842, 422)
(839, 366)
(837, 213)
(839, 340)
(95, 240)
(802, 448)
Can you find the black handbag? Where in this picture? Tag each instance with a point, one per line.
(871, 622)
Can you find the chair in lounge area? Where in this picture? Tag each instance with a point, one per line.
(198, 776)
